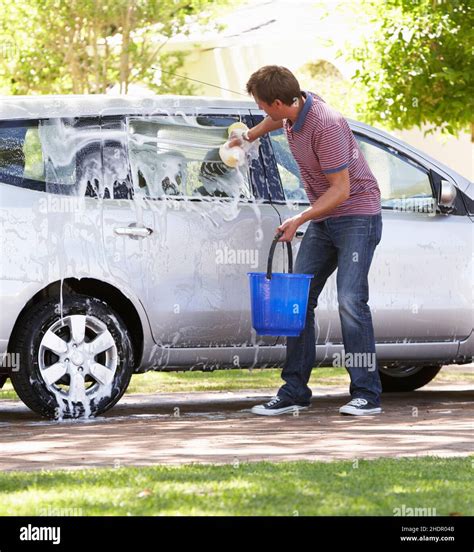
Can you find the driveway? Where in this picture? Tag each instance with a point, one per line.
(218, 427)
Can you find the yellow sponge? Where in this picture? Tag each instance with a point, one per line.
(235, 126)
(232, 157)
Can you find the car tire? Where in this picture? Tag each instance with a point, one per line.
(76, 359)
(406, 378)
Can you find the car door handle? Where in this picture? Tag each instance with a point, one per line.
(299, 234)
(133, 231)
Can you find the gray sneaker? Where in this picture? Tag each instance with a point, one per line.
(359, 407)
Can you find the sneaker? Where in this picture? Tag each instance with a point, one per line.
(277, 405)
(359, 407)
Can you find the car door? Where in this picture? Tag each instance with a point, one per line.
(421, 254)
(209, 228)
(421, 274)
(127, 225)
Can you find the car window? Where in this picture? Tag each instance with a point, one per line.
(179, 156)
(68, 156)
(21, 156)
(399, 178)
(287, 167)
(72, 154)
(117, 180)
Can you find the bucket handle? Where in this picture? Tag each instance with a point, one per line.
(272, 251)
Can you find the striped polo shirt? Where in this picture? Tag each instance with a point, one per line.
(322, 142)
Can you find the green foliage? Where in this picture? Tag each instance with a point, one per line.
(416, 65)
(323, 78)
(86, 46)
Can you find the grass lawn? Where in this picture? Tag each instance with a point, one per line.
(229, 380)
(371, 487)
(219, 380)
(226, 380)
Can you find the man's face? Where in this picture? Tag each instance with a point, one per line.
(274, 110)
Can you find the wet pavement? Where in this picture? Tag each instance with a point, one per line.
(218, 427)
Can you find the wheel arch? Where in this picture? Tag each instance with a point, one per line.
(407, 377)
(100, 290)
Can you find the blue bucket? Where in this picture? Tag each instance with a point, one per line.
(279, 301)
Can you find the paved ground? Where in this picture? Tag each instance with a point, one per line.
(218, 427)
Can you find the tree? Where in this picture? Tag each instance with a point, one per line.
(86, 46)
(416, 65)
(324, 78)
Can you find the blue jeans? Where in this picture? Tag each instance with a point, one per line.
(346, 243)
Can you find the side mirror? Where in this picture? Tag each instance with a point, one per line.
(447, 196)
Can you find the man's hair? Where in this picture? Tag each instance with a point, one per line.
(273, 82)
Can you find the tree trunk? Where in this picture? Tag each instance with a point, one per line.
(124, 54)
(95, 47)
(71, 59)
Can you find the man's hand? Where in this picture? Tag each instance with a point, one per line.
(235, 138)
(289, 228)
(265, 125)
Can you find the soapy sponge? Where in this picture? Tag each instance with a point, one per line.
(233, 157)
(237, 126)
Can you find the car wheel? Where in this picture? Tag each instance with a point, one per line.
(406, 378)
(75, 361)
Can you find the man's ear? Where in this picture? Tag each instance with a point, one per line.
(277, 103)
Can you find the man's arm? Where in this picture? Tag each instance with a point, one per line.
(337, 193)
(263, 127)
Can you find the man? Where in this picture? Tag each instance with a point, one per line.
(345, 227)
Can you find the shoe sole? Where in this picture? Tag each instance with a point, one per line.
(266, 412)
(351, 411)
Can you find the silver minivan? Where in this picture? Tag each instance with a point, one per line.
(126, 245)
